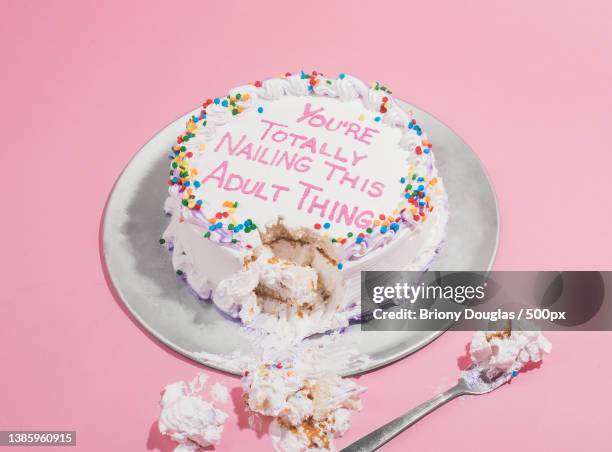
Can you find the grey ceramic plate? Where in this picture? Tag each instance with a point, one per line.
(141, 272)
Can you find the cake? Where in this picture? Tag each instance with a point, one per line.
(188, 418)
(283, 191)
(308, 411)
(506, 352)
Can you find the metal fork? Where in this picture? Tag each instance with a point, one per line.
(473, 381)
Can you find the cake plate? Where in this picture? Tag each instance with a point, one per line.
(141, 274)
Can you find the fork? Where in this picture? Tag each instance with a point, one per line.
(473, 381)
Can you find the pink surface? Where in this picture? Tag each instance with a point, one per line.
(526, 84)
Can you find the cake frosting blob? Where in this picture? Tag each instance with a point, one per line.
(308, 411)
(189, 419)
(319, 177)
(507, 351)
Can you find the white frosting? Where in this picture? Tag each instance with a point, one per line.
(309, 411)
(335, 352)
(507, 352)
(312, 165)
(298, 140)
(362, 167)
(279, 296)
(305, 385)
(219, 393)
(187, 418)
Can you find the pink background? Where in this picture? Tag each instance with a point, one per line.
(84, 85)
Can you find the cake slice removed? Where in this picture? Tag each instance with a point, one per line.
(290, 284)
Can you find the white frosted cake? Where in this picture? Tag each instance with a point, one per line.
(284, 190)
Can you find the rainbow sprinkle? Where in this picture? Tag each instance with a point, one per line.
(378, 87)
